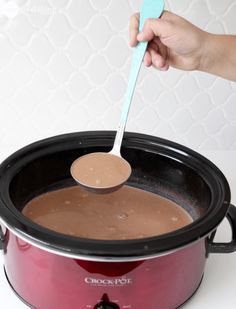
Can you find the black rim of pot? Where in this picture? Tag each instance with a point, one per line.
(134, 248)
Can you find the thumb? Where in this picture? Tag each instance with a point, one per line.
(155, 27)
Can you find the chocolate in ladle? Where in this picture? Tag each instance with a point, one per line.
(100, 171)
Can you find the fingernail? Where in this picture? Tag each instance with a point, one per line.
(140, 36)
(157, 63)
(164, 69)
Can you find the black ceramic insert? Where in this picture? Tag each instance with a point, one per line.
(158, 166)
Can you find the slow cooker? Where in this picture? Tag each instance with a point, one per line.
(49, 270)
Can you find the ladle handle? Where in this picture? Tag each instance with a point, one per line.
(149, 9)
(135, 67)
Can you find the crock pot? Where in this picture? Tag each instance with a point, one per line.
(49, 270)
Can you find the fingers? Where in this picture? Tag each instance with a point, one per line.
(156, 53)
(133, 29)
(161, 60)
(158, 61)
(155, 28)
(156, 56)
(147, 59)
(160, 27)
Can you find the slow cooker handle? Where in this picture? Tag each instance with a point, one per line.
(229, 247)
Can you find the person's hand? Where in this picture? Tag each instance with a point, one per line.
(173, 41)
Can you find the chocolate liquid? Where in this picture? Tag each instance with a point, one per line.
(128, 213)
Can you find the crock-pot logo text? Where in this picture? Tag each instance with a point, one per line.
(123, 281)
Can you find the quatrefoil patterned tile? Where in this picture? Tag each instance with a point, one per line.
(64, 67)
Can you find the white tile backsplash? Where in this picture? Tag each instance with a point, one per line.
(230, 108)
(64, 67)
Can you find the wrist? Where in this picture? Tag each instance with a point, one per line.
(207, 52)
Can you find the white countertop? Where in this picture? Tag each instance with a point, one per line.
(218, 289)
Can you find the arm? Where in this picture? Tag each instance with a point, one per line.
(220, 56)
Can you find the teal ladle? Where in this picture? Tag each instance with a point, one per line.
(86, 170)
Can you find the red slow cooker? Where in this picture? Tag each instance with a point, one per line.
(49, 270)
